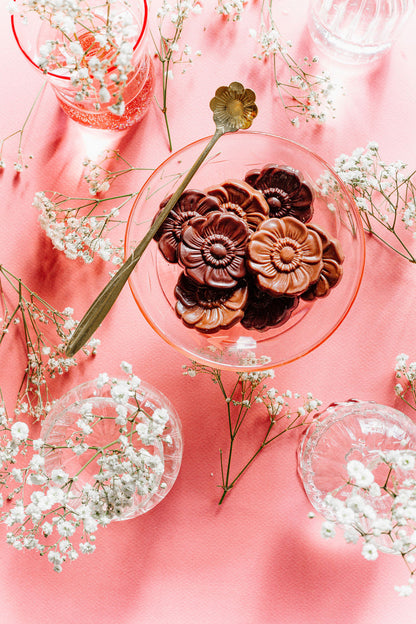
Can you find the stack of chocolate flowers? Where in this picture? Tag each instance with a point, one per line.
(248, 250)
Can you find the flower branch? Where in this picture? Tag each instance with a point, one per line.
(78, 226)
(45, 347)
(170, 25)
(304, 93)
(385, 195)
(55, 507)
(284, 412)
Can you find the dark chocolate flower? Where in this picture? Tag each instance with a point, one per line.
(285, 256)
(190, 204)
(285, 191)
(212, 249)
(242, 199)
(331, 272)
(264, 311)
(209, 309)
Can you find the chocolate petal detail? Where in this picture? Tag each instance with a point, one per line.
(312, 248)
(191, 316)
(303, 196)
(217, 277)
(168, 247)
(296, 230)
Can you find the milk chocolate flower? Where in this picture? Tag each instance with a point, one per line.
(264, 311)
(285, 256)
(212, 249)
(285, 191)
(208, 309)
(190, 204)
(331, 272)
(233, 107)
(239, 197)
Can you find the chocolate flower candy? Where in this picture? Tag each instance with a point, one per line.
(190, 204)
(239, 197)
(331, 272)
(285, 256)
(285, 191)
(212, 249)
(264, 311)
(209, 309)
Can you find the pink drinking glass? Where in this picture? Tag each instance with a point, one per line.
(32, 32)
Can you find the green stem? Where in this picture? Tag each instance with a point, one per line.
(105, 300)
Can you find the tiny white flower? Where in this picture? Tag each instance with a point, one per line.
(369, 551)
(328, 529)
(19, 431)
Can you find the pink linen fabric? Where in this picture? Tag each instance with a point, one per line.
(257, 559)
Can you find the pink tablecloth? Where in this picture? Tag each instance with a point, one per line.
(257, 559)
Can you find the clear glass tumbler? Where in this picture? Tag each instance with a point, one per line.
(85, 67)
(357, 31)
(352, 430)
(61, 432)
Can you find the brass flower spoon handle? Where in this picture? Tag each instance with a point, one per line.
(234, 108)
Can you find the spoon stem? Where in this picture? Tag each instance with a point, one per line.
(105, 300)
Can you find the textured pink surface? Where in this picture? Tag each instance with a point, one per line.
(257, 559)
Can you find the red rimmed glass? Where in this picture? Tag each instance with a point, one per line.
(312, 322)
(32, 32)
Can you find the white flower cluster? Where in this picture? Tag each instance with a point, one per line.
(377, 505)
(384, 192)
(406, 371)
(93, 46)
(303, 93)
(60, 513)
(171, 21)
(77, 236)
(46, 332)
(231, 9)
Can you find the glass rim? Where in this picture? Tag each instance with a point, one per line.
(59, 76)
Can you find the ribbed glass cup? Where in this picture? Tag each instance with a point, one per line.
(352, 430)
(357, 31)
(61, 426)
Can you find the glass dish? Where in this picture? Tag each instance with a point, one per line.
(312, 322)
(352, 430)
(61, 426)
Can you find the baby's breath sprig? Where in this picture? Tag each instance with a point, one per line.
(304, 93)
(284, 412)
(78, 226)
(45, 332)
(169, 49)
(232, 9)
(406, 372)
(385, 194)
(55, 507)
(20, 162)
(376, 505)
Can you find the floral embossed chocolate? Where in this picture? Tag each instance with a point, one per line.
(241, 262)
(209, 309)
(190, 204)
(242, 199)
(213, 248)
(285, 256)
(331, 272)
(285, 191)
(264, 311)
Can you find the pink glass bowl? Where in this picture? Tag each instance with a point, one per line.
(153, 280)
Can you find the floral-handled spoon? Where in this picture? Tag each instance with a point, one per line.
(234, 109)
